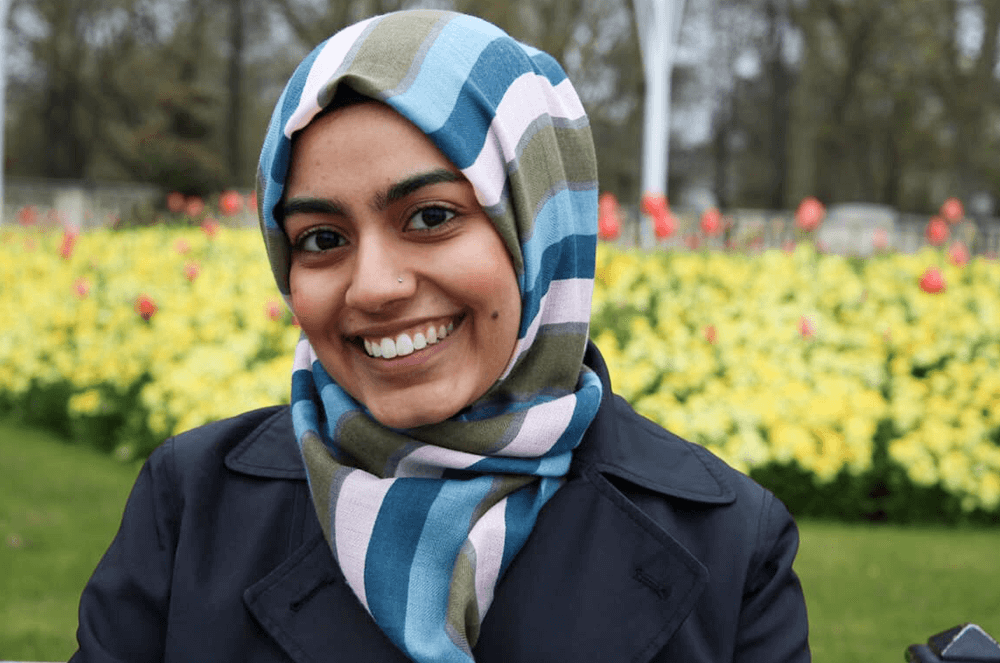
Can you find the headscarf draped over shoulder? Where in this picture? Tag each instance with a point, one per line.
(508, 117)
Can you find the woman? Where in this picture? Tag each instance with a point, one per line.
(464, 484)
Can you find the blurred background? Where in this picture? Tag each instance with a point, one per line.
(773, 100)
(864, 392)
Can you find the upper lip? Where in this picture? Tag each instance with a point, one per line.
(391, 329)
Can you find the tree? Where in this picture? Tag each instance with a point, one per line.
(889, 107)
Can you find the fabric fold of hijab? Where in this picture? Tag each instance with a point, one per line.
(424, 522)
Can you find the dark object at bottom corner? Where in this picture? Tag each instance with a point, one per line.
(965, 643)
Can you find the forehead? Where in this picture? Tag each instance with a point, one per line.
(367, 139)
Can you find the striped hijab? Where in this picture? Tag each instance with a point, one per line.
(424, 522)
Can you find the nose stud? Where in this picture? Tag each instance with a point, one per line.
(400, 279)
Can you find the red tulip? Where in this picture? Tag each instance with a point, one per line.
(656, 206)
(145, 307)
(958, 254)
(210, 227)
(952, 210)
(654, 203)
(182, 246)
(175, 202)
(194, 206)
(28, 215)
(711, 221)
(82, 287)
(937, 231)
(230, 203)
(68, 242)
(664, 225)
(692, 241)
(807, 327)
(710, 334)
(810, 214)
(788, 246)
(191, 271)
(608, 226)
(932, 281)
(272, 310)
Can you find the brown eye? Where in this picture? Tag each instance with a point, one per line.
(430, 217)
(320, 239)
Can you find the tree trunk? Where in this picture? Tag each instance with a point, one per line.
(781, 87)
(235, 112)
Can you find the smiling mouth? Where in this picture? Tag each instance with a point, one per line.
(407, 343)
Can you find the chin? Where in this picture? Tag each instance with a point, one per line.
(401, 420)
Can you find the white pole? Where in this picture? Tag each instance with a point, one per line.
(659, 24)
(4, 7)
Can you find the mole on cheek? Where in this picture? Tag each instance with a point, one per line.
(496, 314)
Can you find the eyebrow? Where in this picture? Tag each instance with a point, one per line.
(396, 192)
(405, 187)
(310, 206)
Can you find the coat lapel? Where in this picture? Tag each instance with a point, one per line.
(307, 607)
(596, 581)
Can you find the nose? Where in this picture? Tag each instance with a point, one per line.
(381, 274)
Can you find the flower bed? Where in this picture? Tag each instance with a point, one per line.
(851, 388)
(137, 335)
(841, 384)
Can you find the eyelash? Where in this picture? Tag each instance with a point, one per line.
(313, 232)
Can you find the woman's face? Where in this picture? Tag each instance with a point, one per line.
(399, 279)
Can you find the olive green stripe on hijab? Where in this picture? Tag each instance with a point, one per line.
(533, 174)
(554, 361)
(389, 58)
(314, 453)
(462, 618)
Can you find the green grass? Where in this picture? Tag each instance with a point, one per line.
(870, 590)
(60, 506)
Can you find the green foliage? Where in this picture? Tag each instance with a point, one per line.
(884, 493)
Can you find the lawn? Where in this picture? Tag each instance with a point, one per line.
(871, 590)
(59, 508)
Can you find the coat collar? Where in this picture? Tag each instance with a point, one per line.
(618, 442)
(622, 443)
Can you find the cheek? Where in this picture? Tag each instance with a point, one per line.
(308, 299)
(502, 304)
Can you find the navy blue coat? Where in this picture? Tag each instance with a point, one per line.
(654, 550)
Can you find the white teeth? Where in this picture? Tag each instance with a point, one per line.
(404, 346)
